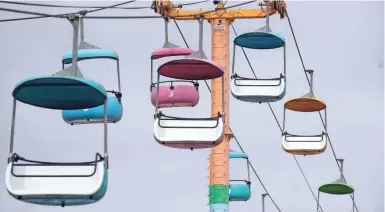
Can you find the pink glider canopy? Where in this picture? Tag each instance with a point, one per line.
(180, 96)
(191, 69)
(168, 52)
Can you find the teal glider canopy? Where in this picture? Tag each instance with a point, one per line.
(85, 54)
(259, 40)
(60, 92)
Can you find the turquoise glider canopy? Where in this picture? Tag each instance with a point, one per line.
(259, 40)
(60, 92)
(238, 155)
(85, 54)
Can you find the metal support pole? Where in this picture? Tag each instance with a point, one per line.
(152, 66)
(118, 70)
(11, 143)
(248, 170)
(326, 121)
(157, 93)
(267, 14)
(284, 62)
(218, 174)
(165, 31)
(263, 201)
(81, 22)
(233, 65)
(342, 167)
(74, 19)
(284, 121)
(311, 79)
(200, 20)
(106, 163)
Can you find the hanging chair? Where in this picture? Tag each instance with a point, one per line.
(188, 133)
(240, 190)
(305, 144)
(93, 115)
(173, 93)
(258, 89)
(58, 183)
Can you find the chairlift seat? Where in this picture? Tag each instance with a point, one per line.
(57, 185)
(169, 52)
(186, 133)
(259, 40)
(96, 114)
(191, 69)
(85, 54)
(239, 192)
(304, 144)
(176, 96)
(258, 90)
(60, 92)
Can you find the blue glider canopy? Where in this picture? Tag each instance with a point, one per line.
(85, 54)
(260, 40)
(238, 155)
(60, 92)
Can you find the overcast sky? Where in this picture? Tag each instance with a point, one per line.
(342, 41)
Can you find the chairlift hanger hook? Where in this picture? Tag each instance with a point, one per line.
(83, 12)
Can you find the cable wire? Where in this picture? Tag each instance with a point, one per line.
(82, 6)
(98, 7)
(320, 115)
(279, 125)
(69, 6)
(110, 7)
(235, 138)
(43, 15)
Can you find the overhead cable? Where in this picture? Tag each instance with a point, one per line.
(83, 6)
(45, 15)
(178, 16)
(68, 6)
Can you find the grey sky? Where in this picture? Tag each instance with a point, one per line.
(341, 41)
